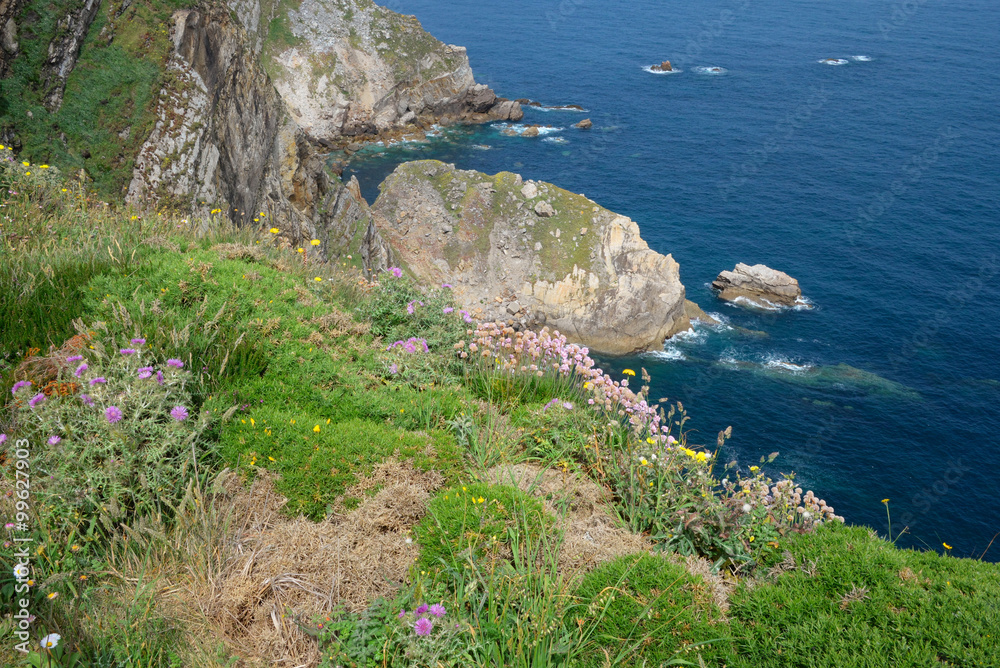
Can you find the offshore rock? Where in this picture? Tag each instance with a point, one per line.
(583, 270)
(759, 285)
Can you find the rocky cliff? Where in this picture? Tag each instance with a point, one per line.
(532, 252)
(350, 68)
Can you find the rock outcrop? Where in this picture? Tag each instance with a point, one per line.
(585, 124)
(758, 285)
(223, 139)
(350, 68)
(533, 253)
(65, 49)
(9, 47)
(665, 66)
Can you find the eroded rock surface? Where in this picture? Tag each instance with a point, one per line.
(532, 251)
(759, 285)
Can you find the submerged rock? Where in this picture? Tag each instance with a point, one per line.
(585, 124)
(759, 285)
(604, 288)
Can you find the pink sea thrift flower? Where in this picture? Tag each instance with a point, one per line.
(396, 271)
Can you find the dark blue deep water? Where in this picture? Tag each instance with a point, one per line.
(875, 183)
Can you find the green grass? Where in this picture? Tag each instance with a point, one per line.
(908, 608)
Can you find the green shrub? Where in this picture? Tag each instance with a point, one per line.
(114, 436)
(398, 310)
(478, 521)
(649, 611)
(842, 596)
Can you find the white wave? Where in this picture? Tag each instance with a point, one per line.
(519, 128)
(649, 68)
(482, 147)
(762, 305)
(862, 59)
(556, 140)
(763, 361)
(803, 303)
(713, 71)
(562, 108)
(832, 61)
(693, 336)
(668, 354)
(777, 362)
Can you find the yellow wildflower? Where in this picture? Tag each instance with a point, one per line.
(52, 595)
(318, 278)
(271, 458)
(44, 166)
(946, 546)
(316, 429)
(885, 500)
(274, 230)
(628, 372)
(26, 163)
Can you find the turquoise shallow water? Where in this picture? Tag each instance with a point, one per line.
(876, 183)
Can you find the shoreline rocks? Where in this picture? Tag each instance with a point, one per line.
(665, 66)
(532, 252)
(585, 124)
(758, 285)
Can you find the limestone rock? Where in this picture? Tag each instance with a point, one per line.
(64, 50)
(695, 312)
(606, 289)
(530, 191)
(545, 210)
(585, 124)
(665, 66)
(530, 131)
(758, 285)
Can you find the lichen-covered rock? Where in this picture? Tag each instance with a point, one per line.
(583, 270)
(758, 285)
(223, 139)
(350, 68)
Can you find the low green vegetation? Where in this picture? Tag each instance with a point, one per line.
(204, 411)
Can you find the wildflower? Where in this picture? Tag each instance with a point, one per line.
(176, 363)
(99, 379)
(628, 372)
(885, 500)
(315, 242)
(87, 400)
(54, 440)
(52, 640)
(80, 369)
(447, 285)
(299, 250)
(19, 384)
(448, 309)
(402, 613)
(159, 377)
(83, 577)
(138, 342)
(437, 610)
(396, 271)
(393, 369)
(21, 570)
(179, 413)
(567, 405)
(127, 351)
(747, 507)
(946, 546)
(26, 163)
(754, 469)
(274, 230)
(421, 609)
(145, 372)
(74, 358)
(423, 626)
(317, 279)
(37, 399)
(316, 429)
(50, 597)
(3, 438)
(113, 414)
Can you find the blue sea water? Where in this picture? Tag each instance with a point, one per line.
(876, 183)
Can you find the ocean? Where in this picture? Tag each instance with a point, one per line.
(874, 181)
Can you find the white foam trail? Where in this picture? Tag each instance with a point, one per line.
(482, 147)
(649, 68)
(751, 304)
(694, 336)
(832, 61)
(519, 128)
(712, 71)
(668, 354)
(862, 59)
(559, 108)
(780, 363)
(556, 140)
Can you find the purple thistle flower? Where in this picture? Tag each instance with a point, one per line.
(74, 358)
(159, 377)
(138, 341)
(80, 369)
(127, 351)
(437, 610)
(446, 285)
(179, 413)
(37, 399)
(423, 626)
(402, 613)
(113, 414)
(53, 440)
(568, 406)
(176, 363)
(99, 379)
(3, 438)
(393, 369)
(19, 384)
(421, 609)
(145, 372)
(448, 309)
(396, 271)
(86, 399)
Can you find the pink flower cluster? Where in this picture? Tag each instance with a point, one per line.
(411, 345)
(423, 613)
(549, 352)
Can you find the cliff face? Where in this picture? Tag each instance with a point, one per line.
(534, 252)
(9, 46)
(350, 68)
(223, 139)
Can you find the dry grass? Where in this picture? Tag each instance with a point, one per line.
(245, 572)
